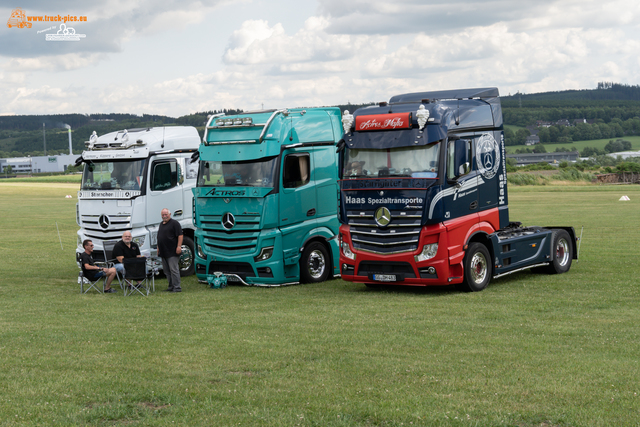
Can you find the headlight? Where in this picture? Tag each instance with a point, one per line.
(139, 240)
(201, 253)
(265, 254)
(346, 249)
(428, 252)
(79, 240)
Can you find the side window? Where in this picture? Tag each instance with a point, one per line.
(164, 175)
(459, 157)
(296, 170)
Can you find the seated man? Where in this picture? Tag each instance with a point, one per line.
(91, 271)
(125, 248)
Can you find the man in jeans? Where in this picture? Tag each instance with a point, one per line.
(170, 248)
(125, 248)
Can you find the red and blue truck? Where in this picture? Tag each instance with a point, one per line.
(423, 196)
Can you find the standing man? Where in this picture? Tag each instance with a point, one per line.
(170, 248)
(125, 248)
(91, 271)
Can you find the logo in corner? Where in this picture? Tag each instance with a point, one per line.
(487, 156)
(18, 19)
(65, 34)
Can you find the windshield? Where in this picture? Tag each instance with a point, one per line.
(253, 173)
(416, 162)
(118, 175)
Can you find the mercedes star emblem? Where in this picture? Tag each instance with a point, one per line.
(228, 221)
(103, 221)
(382, 216)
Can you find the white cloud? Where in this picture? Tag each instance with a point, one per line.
(66, 62)
(357, 51)
(258, 43)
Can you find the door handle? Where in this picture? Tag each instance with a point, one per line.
(311, 212)
(178, 213)
(473, 205)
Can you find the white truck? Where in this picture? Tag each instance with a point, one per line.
(129, 177)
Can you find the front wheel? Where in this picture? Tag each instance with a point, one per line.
(187, 257)
(477, 268)
(314, 264)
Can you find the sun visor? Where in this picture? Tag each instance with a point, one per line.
(395, 138)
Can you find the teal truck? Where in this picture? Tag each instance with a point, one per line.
(265, 204)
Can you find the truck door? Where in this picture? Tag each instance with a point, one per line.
(165, 189)
(461, 205)
(462, 179)
(297, 200)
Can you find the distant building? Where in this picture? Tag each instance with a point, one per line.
(625, 154)
(551, 158)
(39, 164)
(532, 140)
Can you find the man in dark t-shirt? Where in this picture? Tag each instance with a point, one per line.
(170, 248)
(91, 271)
(125, 248)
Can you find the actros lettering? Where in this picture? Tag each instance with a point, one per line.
(225, 193)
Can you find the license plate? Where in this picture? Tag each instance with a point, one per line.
(385, 278)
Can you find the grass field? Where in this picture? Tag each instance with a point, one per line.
(530, 350)
(580, 145)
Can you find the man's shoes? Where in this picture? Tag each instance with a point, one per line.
(176, 290)
(110, 291)
(169, 290)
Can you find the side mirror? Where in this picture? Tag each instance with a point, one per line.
(464, 169)
(462, 157)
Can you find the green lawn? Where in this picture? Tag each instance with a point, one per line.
(530, 350)
(580, 145)
(71, 179)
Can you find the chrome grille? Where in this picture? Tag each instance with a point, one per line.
(401, 235)
(241, 239)
(117, 224)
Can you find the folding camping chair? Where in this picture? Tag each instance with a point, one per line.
(135, 271)
(90, 284)
(107, 253)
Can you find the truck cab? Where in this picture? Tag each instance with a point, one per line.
(129, 176)
(424, 195)
(266, 201)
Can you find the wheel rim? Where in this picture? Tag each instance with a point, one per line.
(562, 252)
(478, 268)
(186, 258)
(316, 264)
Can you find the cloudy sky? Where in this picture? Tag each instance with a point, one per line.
(178, 57)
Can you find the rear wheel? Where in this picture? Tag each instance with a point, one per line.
(187, 258)
(477, 268)
(314, 264)
(561, 252)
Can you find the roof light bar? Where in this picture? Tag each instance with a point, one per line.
(233, 122)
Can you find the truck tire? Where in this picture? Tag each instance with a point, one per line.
(315, 263)
(187, 261)
(561, 252)
(477, 268)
